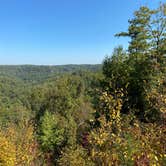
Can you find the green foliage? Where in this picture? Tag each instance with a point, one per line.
(138, 32)
(51, 131)
(78, 115)
(75, 156)
(116, 69)
(134, 85)
(37, 74)
(141, 72)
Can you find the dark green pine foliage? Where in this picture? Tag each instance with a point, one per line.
(146, 56)
(138, 32)
(139, 71)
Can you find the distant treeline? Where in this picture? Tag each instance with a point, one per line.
(112, 114)
(35, 73)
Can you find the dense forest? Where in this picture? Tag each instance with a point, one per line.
(35, 74)
(113, 114)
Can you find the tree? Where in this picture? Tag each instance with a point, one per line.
(75, 155)
(146, 60)
(115, 68)
(51, 132)
(138, 32)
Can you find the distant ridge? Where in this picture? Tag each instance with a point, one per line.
(37, 73)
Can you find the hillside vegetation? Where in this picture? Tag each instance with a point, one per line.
(35, 74)
(113, 114)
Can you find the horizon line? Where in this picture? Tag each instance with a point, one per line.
(50, 64)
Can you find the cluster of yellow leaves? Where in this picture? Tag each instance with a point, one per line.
(103, 139)
(126, 144)
(17, 146)
(148, 143)
(7, 152)
(135, 144)
(111, 106)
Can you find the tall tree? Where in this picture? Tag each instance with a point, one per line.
(147, 31)
(138, 32)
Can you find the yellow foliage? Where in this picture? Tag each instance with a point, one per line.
(17, 146)
(117, 142)
(7, 152)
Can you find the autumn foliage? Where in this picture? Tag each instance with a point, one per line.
(110, 117)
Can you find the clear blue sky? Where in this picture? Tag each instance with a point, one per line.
(63, 31)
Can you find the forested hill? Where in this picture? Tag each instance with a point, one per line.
(90, 115)
(35, 74)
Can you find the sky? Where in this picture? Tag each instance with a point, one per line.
(55, 32)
